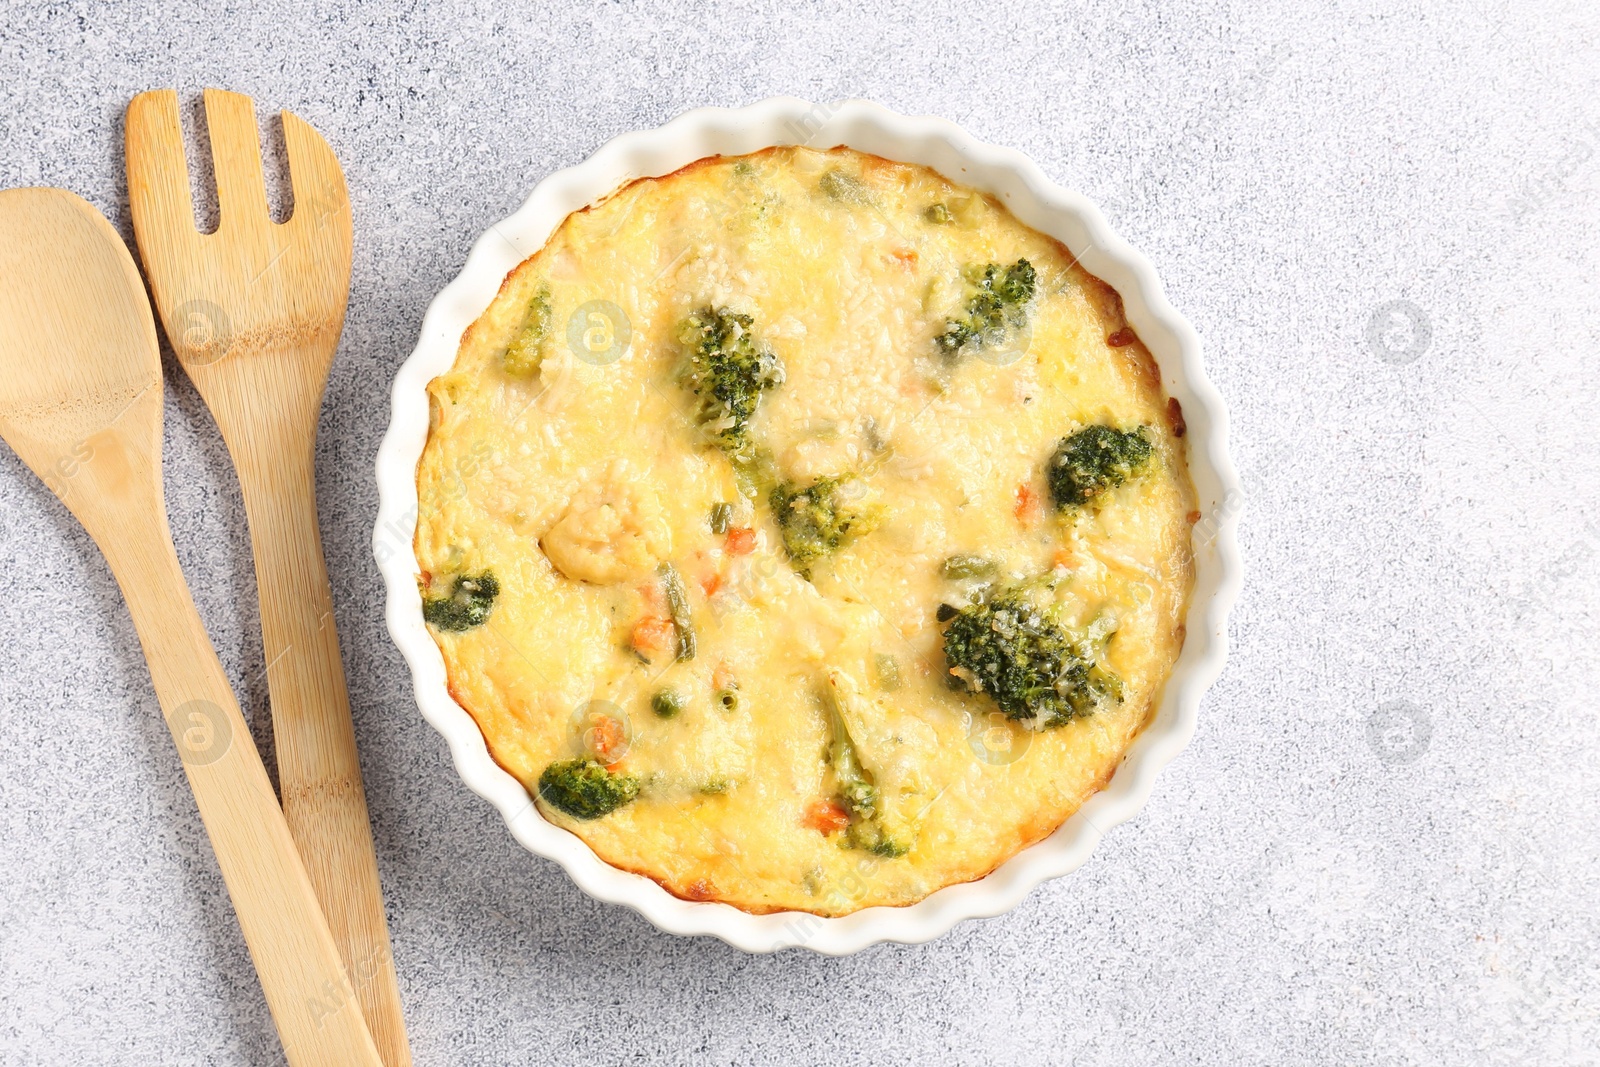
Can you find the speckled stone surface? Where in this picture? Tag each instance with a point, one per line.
(1383, 846)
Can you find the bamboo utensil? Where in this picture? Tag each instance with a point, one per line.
(80, 402)
(254, 312)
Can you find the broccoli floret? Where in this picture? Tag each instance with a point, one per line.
(817, 520)
(526, 350)
(857, 793)
(860, 796)
(468, 603)
(869, 836)
(1094, 460)
(1027, 663)
(998, 304)
(584, 789)
(728, 370)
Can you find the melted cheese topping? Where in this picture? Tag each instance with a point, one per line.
(564, 457)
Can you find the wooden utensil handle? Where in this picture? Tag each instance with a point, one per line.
(318, 1017)
(318, 769)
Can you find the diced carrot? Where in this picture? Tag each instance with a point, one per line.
(826, 816)
(1024, 500)
(741, 540)
(1064, 558)
(655, 598)
(710, 583)
(722, 677)
(653, 634)
(906, 257)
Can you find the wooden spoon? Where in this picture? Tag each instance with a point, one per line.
(80, 402)
(254, 312)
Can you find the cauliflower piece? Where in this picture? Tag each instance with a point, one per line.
(613, 531)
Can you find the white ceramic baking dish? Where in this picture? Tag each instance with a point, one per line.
(1038, 202)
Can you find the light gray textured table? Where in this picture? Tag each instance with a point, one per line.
(1384, 844)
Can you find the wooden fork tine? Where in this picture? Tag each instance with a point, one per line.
(158, 176)
(236, 158)
(315, 177)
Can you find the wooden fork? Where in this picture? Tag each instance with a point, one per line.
(254, 312)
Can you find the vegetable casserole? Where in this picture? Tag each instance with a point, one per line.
(805, 532)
